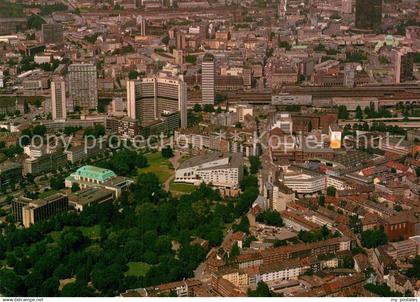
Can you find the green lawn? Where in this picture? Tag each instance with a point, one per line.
(181, 188)
(139, 269)
(92, 232)
(158, 165)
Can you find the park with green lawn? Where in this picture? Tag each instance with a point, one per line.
(159, 165)
(137, 269)
(181, 188)
(111, 247)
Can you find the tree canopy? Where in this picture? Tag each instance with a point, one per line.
(374, 238)
(270, 217)
(97, 245)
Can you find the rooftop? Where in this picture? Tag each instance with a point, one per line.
(96, 173)
(88, 195)
(8, 165)
(235, 160)
(35, 203)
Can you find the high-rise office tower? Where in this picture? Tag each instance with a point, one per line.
(346, 6)
(83, 86)
(404, 65)
(58, 99)
(369, 14)
(349, 76)
(181, 42)
(141, 22)
(152, 99)
(179, 56)
(207, 79)
(52, 33)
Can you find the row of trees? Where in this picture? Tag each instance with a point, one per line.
(206, 108)
(317, 235)
(376, 127)
(368, 112)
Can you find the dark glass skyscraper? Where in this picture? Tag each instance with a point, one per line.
(369, 14)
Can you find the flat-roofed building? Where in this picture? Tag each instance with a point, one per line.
(83, 87)
(151, 99)
(52, 33)
(402, 249)
(44, 164)
(216, 169)
(304, 182)
(77, 153)
(10, 172)
(369, 14)
(208, 79)
(125, 127)
(58, 99)
(90, 196)
(278, 195)
(284, 270)
(29, 212)
(333, 245)
(9, 25)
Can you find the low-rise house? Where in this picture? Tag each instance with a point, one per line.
(401, 283)
(382, 262)
(361, 262)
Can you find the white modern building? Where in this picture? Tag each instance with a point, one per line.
(303, 182)
(216, 169)
(337, 183)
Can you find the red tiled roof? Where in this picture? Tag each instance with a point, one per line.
(368, 171)
(277, 131)
(397, 166)
(238, 236)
